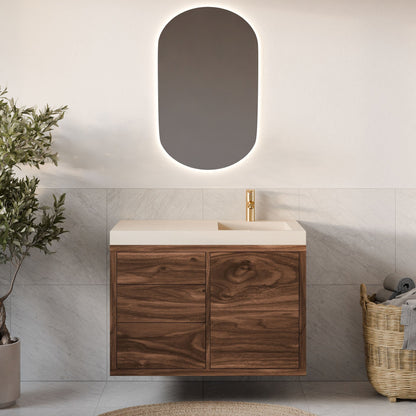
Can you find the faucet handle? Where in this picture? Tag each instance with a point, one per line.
(250, 195)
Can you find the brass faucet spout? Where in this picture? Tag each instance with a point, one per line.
(250, 205)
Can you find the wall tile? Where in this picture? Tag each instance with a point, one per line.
(62, 329)
(3, 291)
(350, 235)
(4, 287)
(147, 204)
(271, 204)
(224, 204)
(5, 273)
(406, 232)
(351, 239)
(277, 204)
(335, 346)
(80, 255)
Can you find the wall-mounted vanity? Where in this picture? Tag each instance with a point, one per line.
(208, 298)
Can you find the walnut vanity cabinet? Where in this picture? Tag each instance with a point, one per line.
(208, 310)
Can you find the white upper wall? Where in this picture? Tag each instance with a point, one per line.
(337, 90)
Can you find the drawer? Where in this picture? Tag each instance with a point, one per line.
(160, 268)
(160, 345)
(255, 340)
(161, 303)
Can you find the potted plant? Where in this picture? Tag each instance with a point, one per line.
(25, 139)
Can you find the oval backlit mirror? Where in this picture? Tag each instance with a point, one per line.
(208, 88)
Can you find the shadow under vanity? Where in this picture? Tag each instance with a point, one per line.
(208, 298)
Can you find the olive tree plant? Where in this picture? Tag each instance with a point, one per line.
(25, 139)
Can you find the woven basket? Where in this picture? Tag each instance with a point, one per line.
(390, 369)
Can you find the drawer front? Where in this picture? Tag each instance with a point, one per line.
(255, 340)
(160, 345)
(160, 268)
(255, 310)
(254, 281)
(161, 303)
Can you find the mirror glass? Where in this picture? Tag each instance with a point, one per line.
(208, 88)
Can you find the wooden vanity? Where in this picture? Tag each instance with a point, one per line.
(208, 310)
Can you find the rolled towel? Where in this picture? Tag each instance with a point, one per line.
(398, 283)
(400, 300)
(384, 294)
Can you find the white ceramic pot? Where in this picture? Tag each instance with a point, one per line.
(9, 374)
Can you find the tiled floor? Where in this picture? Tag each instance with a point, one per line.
(94, 398)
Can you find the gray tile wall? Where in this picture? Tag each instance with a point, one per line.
(61, 303)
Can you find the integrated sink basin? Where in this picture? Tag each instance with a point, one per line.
(161, 232)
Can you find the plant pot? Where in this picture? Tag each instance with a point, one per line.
(9, 374)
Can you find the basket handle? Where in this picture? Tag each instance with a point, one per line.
(363, 295)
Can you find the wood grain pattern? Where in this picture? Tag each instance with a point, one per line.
(160, 345)
(302, 312)
(161, 303)
(254, 310)
(240, 316)
(160, 268)
(113, 311)
(208, 313)
(242, 281)
(255, 340)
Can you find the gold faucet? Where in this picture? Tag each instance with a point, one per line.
(250, 205)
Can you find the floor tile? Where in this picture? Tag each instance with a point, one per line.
(321, 398)
(70, 411)
(35, 394)
(119, 394)
(351, 398)
(56, 398)
(282, 393)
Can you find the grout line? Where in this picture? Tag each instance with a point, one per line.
(263, 187)
(99, 399)
(395, 230)
(105, 284)
(59, 284)
(203, 204)
(10, 305)
(107, 320)
(105, 382)
(341, 284)
(304, 395)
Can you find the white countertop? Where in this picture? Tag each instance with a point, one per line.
(163, 232)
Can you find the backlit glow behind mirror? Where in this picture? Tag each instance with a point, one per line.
(208, 88)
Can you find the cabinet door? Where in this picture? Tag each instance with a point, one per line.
(254, 310)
